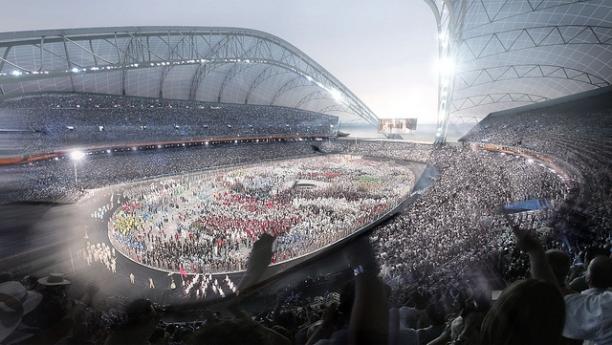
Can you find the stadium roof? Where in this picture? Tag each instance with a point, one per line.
(500, 54)
(228, 65)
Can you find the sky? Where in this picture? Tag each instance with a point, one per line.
(384, 51)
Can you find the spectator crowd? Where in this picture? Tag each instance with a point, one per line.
(459, 266)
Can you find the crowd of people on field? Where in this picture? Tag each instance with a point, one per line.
(208, 222)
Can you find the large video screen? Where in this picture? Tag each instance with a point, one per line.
(397, 126)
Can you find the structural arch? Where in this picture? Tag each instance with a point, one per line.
(183, 63)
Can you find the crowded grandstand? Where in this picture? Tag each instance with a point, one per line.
(233, 212)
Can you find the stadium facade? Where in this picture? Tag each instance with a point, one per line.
(501, 54)
(211, 64)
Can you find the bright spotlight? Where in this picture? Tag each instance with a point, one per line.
(336, 95)
(108, 151)
(443, 38)
(446, 66)
(16, 73)
(75, 70)
(76, 155)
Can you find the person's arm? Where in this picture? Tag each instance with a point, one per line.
(259, 260)
(327, 327)
(369, 317)
(538, 265)
(443, 338)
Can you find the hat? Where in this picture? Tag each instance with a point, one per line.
(29, 299)
(54, 279)
(15, 301)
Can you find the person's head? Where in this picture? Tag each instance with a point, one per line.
(11, 312)
(140, 311)
(593, 252)
(5, 277)
(141, 317)
(599, 273)
(435, 313)
(559, 263)
(54, 286)
(15, 302)
(527, 312)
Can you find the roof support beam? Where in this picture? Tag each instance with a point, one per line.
(475, 101)
(200, 71)
(162, 79)
(69, 63)
(4, 56)
(42, 54)
(116, 51)
(477, 77)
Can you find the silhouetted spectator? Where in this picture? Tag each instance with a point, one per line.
(589, 314)
(528, 312)
(139, 327)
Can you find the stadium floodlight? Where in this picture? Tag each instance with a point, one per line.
(16, 73)
(446, 66)
(75, 70)
(443, 38)
(336, 95)
(76, 155)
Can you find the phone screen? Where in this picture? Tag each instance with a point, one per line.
(495, 294)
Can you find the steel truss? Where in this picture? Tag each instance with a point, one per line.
(266, 64)
(470, 102)
(569, 41)
(502, 42)
(467, 79)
